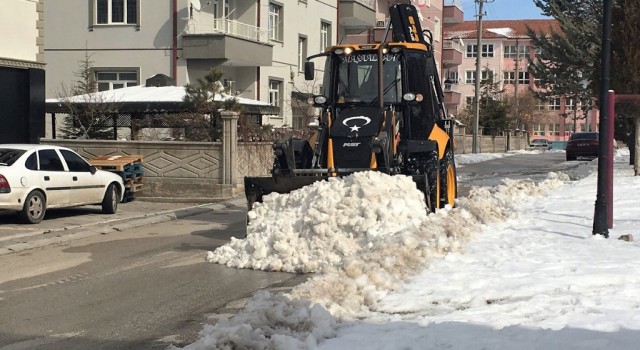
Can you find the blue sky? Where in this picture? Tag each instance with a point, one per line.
(501, 9)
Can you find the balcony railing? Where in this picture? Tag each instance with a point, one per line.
(368, 3)
(450, 44)
(225, 26)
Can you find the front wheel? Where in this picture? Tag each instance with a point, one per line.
(110, 200)
(34, 208)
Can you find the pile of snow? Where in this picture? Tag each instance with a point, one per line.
(315, 227)
(363, 235)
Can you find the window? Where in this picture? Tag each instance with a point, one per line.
(486, 75)
(541, 105)
(275, 87)
(469, 100)
(509, 77)
(325, 35)
(74, 161)
(487, 50)
(472, 50)
(523, 77)
(111, 80)
(49, 160)
(452, 76)
(569, 104)
(555, 129)
(538, 129)
(32, 162)
(470, 77)
(511, 52)
(554, 104)
(437, 29)
(275, 22)
(302, 53)
(116, 11)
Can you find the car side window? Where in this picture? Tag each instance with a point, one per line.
(49, 160)
(32, 162)
(74, 161)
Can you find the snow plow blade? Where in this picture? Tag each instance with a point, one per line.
(257, 187)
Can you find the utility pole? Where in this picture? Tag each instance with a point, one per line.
(476, 100)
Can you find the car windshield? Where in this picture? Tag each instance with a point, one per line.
(585, 136)
(539, 141)
(8, 156)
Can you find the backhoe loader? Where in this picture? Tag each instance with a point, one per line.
(382, 109)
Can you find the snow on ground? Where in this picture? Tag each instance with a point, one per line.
(511, 267)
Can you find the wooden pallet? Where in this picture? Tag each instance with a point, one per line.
(118, 162)
(128, 167)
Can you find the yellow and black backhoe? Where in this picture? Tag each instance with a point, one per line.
(382, 110)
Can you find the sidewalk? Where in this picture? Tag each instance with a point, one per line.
(62, 225)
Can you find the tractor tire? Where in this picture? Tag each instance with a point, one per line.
(448, 180)
(432, 193)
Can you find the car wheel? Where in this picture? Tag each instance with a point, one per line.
(111, 200)
(34, 208)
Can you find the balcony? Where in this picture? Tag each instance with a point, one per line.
(451, 98)
(451, 53)
(237, 43)
(452, 14)
(357, 14)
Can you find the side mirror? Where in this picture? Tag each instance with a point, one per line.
(309, 70)
(93, 170)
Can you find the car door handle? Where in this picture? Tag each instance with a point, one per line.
(46, 178)
(75, 178)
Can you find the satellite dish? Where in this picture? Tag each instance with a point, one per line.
(196, 5)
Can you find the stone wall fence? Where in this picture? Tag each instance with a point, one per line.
(209, 171)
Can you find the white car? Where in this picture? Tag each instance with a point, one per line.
(34, 178)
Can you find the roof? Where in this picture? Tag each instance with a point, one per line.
(500, 29)
(150, 99)
(27, 146)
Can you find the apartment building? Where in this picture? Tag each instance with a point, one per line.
(260, 46)
(22, 71)
(257, 45)
(505, 52)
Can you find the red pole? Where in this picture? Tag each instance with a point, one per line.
(174, 42)
(610, 121)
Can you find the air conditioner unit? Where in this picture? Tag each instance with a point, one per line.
(381, 23)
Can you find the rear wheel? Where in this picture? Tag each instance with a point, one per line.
(110, 200)
(34, 208)
(448, 180)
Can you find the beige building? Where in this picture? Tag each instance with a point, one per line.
(22, 75)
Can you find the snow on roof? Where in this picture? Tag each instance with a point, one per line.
(144, 93)
(508, 32)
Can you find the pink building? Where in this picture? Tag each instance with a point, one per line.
(505, 51)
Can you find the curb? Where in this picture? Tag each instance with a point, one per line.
(94, 229)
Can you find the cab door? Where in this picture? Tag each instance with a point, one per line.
(53, 178)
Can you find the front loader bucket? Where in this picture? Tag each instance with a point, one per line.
(257, 187)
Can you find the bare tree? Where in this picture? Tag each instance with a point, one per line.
(89, 115)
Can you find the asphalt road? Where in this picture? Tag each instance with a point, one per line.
(141, 288)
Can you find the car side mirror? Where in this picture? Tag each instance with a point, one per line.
(93, 170)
